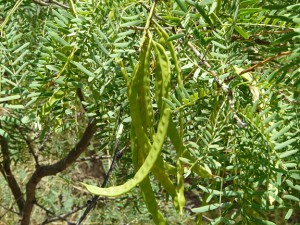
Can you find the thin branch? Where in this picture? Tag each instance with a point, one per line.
(81, 98)
(148, 10)
(222, 84)
(265, 61)
(63, 216)
(59, 4)
(203, 216)
(208, 66)
(93, 157)
(44, 208)
(273, 32)
(8, 209)
(58, 217)
(92, 203)
(117, 154)
(41, 3)
(30, 147)
(50, 2)
(46, 138)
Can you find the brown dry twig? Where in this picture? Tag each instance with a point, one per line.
(50, 2)
(265, 61)
(63, 216)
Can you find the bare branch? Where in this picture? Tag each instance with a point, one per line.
(50, 170)
(42, 145)
(50, 2)
(63, 216)
(8, 209)
(265, 61)
(81, 98)
(30, 147)
(94, 157)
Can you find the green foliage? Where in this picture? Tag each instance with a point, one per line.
(233, 138)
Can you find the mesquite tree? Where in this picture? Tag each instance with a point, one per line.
(196, 102)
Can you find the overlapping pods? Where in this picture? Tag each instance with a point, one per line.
(140, 124)
(145, 143)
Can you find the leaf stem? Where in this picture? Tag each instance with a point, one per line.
(16, 6)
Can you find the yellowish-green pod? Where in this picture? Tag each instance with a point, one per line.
(159, 167)
(143, 171)
(173, 134)
(164, 36)
(146, 156)
(145, 185)
(137, 99)
(163, 74)
(180, 198)
(142, 121)
(151, 203)
(162, 91)
(140, 127)
(158, 138)
(145, 102)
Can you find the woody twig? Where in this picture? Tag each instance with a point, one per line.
(265, 61)
(222, 84)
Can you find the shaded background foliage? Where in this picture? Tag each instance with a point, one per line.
(243, 126)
